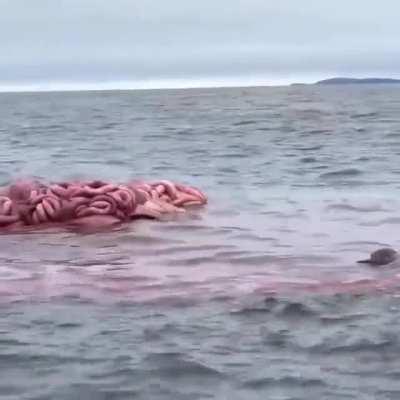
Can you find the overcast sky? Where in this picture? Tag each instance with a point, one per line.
(153, 42)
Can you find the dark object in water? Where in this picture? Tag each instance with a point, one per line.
(382, 256)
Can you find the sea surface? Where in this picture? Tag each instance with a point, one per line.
(255, 296)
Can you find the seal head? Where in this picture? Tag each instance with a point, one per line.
(382, 256)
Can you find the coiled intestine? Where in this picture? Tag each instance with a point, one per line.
(35, 204)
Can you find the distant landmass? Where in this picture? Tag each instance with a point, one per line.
(352, 81)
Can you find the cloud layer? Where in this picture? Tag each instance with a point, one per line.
(48, 42)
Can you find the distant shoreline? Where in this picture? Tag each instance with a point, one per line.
(101, 87)
(352, 81)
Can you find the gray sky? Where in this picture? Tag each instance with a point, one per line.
(195, 42)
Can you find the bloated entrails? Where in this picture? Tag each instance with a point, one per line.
(34, 204)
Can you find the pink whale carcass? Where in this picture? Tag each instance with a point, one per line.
(31, 205)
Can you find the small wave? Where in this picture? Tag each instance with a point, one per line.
(193, 261)
(175, 364)
(310, 148)
(228, 255)
(393, 135)
(233, 155)
(13, 342)
(385, 221)
(357, 346)
(287, 381)
(245, 122)
(183, 228)
(347, 172)
(262, 260)
(317, 131)
(186, 249)
(69, 325)
(363, 243)
(307, 160)
(256, 238)
(296, 310)
(107, 126)
(268, 305)
(154, 136)
(265, 129)
(363, 159)
(350, 207)
(228, 170)
(364, 115)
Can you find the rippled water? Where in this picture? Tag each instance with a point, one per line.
(255, 296)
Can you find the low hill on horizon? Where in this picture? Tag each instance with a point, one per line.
(346, 81)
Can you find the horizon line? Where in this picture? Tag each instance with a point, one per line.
(131, 85)
(163, 84)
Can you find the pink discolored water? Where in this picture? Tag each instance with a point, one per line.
(206, 254)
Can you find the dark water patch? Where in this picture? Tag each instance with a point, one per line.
(268, 305)
(8, 342)
(330, 320)
(188, 248)
(296, 310)
(228, 170)
(284, 215)
(126, 278)
(255, 238)
(184, 228)
(318, 168)
(119, 373)
(234, 155)
(231, 254)
(232, 228)
(346, 173)
(287, 382)
(308, 185)
(385, 221)
(310, 148)
(154, 136)
(188, 132)
(107, 126)
(316, 131)
(168, 365)
(349, 183)
(362, 243)
(307, 160)
(364, 115)
(265, 129)
(393, 135)
(116, 162)
(356, 346)
(284, 229)
(363, 159)
(43, 360)
(356, 208)
(311, 112)
(313, 259)
(388, 394)
(261, 260)
(245, 122)
(225, 212)
(69, 325)
(193, 261)
(148, 239)
(118, 394)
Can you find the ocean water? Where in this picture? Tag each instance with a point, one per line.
(255, 296)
